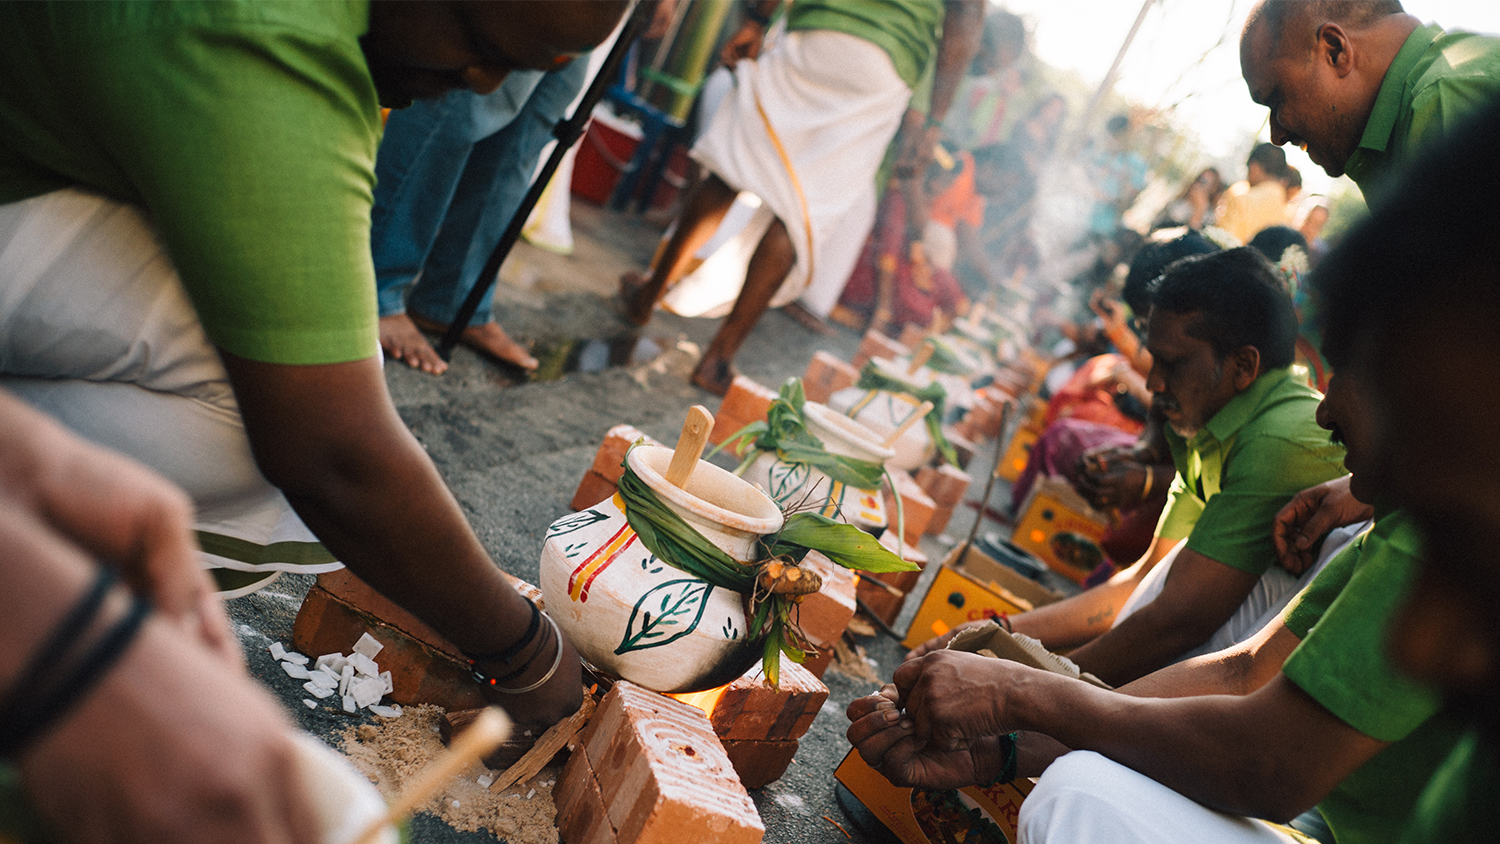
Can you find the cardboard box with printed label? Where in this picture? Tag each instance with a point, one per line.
(972, 588)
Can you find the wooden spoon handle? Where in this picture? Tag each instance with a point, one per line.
(482, 736)
(923, 354)
(690, 445)
(922, 411)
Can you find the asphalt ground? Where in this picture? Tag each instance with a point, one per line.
(514, 451)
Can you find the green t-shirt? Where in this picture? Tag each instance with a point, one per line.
(1262, 448)
(1461, 804)
(906, 29)
(1436, 80)
(1342, 664)
(245, 128)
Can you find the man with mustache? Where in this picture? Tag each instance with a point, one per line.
(1243, 437)
(1360, 84)
(1309, 711)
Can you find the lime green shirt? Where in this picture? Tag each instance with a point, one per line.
(245, 128)
(1461, 804)
(1436, 79)
(907, 30)
(1262, 448)
(1342, 621)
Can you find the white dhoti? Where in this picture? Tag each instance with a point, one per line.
(804, 129)
(1084, 797)
(1270, 595)
(97, 331)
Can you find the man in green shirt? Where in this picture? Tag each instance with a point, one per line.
(1244, 439)
(1418, 293)
(185, 193)
(1310, 711)
(1362, 85)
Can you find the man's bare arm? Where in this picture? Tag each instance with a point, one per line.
(1199, 595)
(329, 437)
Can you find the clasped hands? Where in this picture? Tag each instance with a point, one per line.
(938, 723)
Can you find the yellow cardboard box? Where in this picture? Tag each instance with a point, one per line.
(971, 589)
(970, 815)
(1051, 510)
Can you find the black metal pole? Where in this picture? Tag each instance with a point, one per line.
(567, 133)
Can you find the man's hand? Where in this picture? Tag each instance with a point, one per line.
(116, 510)
(1111, 477)
(953, 698)
(1299, 529)
(886, 742)
(174, 746)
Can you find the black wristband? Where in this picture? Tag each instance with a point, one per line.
(1008, 766)
(516, 647)
(25, 720)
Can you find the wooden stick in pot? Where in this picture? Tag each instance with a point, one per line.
(920, 413)
(690, 445)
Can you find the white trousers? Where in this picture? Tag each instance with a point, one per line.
(1084, 797)
(97, 331)
(1267, 599)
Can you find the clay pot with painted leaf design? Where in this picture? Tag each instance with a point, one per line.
(797, 486)
(636, 618)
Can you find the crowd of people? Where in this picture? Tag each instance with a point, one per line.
(205, 244)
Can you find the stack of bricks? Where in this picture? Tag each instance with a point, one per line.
(877, 345)
(963, 445)
(825, 376)
(424, 666)
(885, 594)
(668, 778)
(600, 481)
(946, 486)
(745, 402)
(759, 723)
(917, 505)
(824, 614)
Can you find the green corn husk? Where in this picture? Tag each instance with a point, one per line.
(871, 378)
(944, 359)
(680, 545)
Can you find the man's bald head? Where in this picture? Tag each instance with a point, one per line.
(1294, 23)
(1318, 66)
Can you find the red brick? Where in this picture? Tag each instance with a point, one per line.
(881, 601)
(424, 666)
(824, 614)
(593, 489)
(760, 763)
(963, 445)
(609, 460)
(877, 345)
(918, 506)
(945, 485)
(817, 665)
(582, 817)
(751, 708)
(941, 515)
(827, 375)
(745, 402)
(669, 778)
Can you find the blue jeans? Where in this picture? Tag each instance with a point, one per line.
(451, 173)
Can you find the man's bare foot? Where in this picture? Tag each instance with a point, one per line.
(631, 287)
(488, 339)
(714, 375)
(402, 340)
